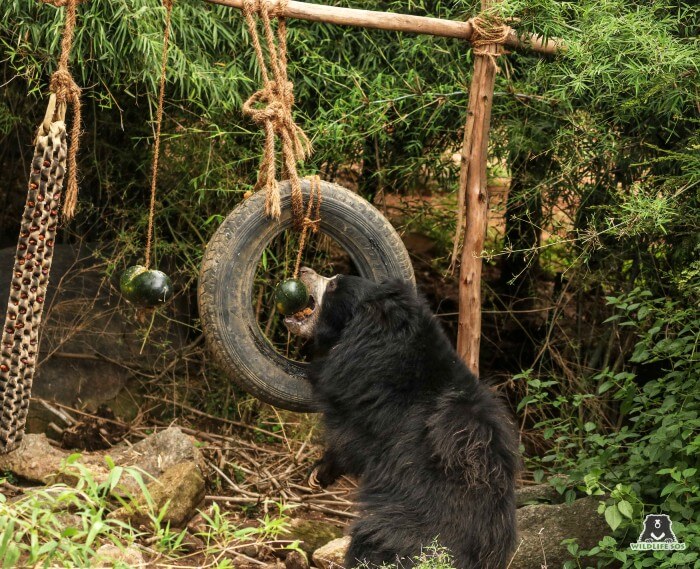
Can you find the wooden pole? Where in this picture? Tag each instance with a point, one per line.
(396, 22)
(473, 196)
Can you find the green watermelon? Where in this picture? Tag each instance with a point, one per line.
(126, 282)
(146, 287)
(291, 296)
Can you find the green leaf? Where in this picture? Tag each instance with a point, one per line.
(613, 517)
(625, 508)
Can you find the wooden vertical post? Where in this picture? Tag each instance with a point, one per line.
(472, 188)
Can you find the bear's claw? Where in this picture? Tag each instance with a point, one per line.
(313, 482)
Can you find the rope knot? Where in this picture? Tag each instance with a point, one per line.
(270, 104)
(313, 224)
(271, 107)
(65, 88)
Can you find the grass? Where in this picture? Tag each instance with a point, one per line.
(431, 557)
(65, 526)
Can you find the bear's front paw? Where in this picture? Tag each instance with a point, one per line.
(322, 475)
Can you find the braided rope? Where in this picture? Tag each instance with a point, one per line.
(314, 205)
(156, 142)
(271, 107)
(67, 91)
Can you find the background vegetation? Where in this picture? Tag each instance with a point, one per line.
(592, 325)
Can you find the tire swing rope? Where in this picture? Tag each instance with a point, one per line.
(314, 206)
(271, 107)
(139, 284)
(32, 266)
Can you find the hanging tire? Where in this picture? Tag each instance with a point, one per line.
(227, 276)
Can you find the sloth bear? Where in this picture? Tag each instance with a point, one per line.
(433, 448)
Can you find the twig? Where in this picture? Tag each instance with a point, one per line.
(233, 485)
(215, 418)
(92, 415)
(232, 499)
(327, 510)
(514, 554)
(60, 414)
(544, 556)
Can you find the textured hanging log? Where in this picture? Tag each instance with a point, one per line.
(30, 277)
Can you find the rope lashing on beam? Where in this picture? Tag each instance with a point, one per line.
(271, 107)
(488, 30)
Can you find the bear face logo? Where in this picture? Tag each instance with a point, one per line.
(657, 529)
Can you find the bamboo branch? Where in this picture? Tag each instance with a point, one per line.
(398, 23)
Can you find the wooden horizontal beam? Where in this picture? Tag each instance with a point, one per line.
(398, 23)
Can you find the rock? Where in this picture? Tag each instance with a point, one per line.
(331, 555)
(159, 452)
(296, 560)
(553, 524)
(538, 493)
(38, 461)
(110, 555)
(180, 490)
(35, 459)
(192, 543)
(311, 534)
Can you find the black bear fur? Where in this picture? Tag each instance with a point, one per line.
(433, 448)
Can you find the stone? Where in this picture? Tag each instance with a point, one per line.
(544, 527)
(37, 460)
(180, 490)
(109, 555)
(528, 495)
(296, 560)
(159, 452)
(331, 555)
(311, 534)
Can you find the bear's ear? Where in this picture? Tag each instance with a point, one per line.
(392, 306)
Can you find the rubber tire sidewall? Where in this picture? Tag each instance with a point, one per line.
(227, 276)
